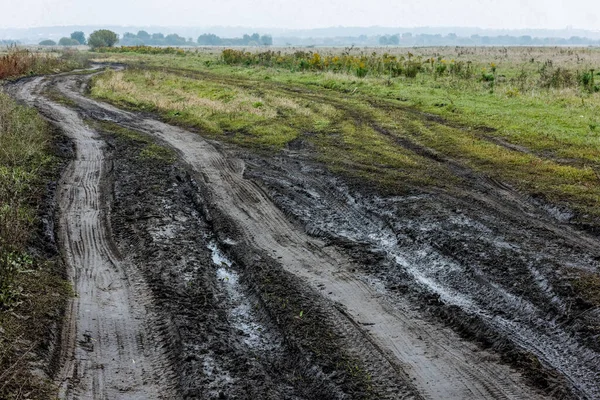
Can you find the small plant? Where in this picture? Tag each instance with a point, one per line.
(493, 68)
(486, 76)
(440, 68)
(587, 81)
(11, 264)
(513, 92)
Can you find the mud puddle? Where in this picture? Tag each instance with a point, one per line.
(241, 314)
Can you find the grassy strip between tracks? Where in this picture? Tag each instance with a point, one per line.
(33, 288)
(390, 131)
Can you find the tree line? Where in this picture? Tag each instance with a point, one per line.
(209, 39)
(407, 39)
(143, 38)
(106, 38)
(99, 38)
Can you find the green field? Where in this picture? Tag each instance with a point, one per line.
(528, 117)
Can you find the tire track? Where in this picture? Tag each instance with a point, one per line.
(109, 350)
(441, 365)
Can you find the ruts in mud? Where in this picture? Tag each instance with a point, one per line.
(239, 276)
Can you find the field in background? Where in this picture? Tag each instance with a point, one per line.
(528, 117)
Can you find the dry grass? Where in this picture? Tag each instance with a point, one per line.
(180, 93)
(20, 62)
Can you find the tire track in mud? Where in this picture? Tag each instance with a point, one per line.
(372, 223)
(441, 365)
(108, 349)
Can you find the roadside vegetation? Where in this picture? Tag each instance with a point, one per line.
(33, 288)
(33, 284)
(526, 117)
(17, 62)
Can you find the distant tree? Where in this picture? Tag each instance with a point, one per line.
(102, 38)
(48, 43)
(129, 35)
(525, 40)
(384, 41)
(266, 40)
(175, 40)
(143, 35)
(394, 40)
(68, 42)
(208, 39)
(157, 36)
(79, 36)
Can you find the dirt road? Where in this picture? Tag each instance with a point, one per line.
(110, 345)
(109, 350)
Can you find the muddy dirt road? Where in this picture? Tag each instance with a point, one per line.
(385, 272)
(107, 345)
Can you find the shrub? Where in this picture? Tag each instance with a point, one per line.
(48, 43)
(102, 38)
(68, 42)
(556, 78)
(586, 80)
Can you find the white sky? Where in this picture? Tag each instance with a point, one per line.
(509, 14)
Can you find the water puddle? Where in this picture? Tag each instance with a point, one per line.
(242, 315)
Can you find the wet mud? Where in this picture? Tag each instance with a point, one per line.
(271, 277)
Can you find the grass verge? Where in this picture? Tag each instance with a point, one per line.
(33, 285)
(364, 133)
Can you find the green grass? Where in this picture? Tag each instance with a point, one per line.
(149, 150)
(544, 142)
(33, 290)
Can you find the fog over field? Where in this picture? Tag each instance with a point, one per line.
(306, 14)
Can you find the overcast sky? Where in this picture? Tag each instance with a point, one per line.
(510, 14)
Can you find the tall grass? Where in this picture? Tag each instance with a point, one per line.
(20, 62)
(409, 65)
(359, 65)
(33, 289)
(24, 154)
